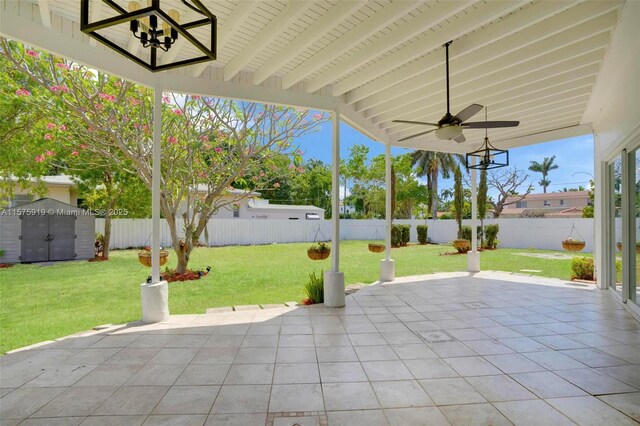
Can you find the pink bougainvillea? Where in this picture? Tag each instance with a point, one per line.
(63, 66)
(218, 149)
(177, 111)
(172, 140)
(205, 138)
(62, 128)
(166, 100)
(48, 137)
(59, 89)
(276, 185)
(50, 153)
(32, 53)
(39, 158)
(75, 153)
(107, 97)
(84, 146)
(23, 92)
(300, 169)
(317, 116)
(51, 126)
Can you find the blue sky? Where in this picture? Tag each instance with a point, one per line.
(573, 155)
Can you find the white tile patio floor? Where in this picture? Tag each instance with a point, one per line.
(434, 350)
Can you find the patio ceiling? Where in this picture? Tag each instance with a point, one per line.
(375, 61)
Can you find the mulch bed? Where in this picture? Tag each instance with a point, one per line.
(6, 265)
(170, 275)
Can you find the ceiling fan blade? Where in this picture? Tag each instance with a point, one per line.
(460, 139)
(490, 124)
(414, 122)
(469, 112)
(416, 135)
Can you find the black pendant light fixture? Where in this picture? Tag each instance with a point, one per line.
(487, 157)
(156, 27)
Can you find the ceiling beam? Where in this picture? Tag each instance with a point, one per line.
(96, 15)
(279, 23)
(412, 27)
(504, 83)
(383, 17)
(317, 29)
(546, 136)
(228, 28)
(463, 24)
(517, 27)
(45, 12)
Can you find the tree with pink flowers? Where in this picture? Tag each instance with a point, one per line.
(209, 145)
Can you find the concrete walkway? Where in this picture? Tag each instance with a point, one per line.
(440, 349)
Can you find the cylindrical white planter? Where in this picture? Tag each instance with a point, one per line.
(473, 261)
(387, 270)
(155, 302)
(334, 289)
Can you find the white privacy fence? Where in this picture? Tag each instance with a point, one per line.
(514, 233)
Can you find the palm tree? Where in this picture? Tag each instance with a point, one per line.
(431, 164)
(544, 168)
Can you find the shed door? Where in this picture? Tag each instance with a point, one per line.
(62, 243)
(35, 247)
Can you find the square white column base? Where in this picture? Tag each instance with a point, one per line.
(473, 261)
(155, 302)
(387, 270)
(334, 289)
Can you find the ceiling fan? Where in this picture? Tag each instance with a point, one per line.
(450, 126)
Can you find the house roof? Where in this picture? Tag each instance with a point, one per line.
(201, 187)
(256, 205)
(60, 180)
(536, 62)
(571, 212)
(552, 196)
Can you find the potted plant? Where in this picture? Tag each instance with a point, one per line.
(319, 251)
(573, 245)
(619, 246)
(461, 244)
(144, 256)
(376, 247)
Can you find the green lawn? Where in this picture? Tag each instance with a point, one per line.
(45, 302)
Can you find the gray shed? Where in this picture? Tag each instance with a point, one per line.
(46, 230)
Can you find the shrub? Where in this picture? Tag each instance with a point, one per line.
(460, 245)
(99, 245)
(315, 288)
(422, 234)
(1, 252)
(466, 232)
(582, 268)
(400, 235)
(491, 236)
(321, 247)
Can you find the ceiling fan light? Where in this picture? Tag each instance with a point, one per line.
(448, 132)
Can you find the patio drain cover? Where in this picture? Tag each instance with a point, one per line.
(440, 336)
(476, 305)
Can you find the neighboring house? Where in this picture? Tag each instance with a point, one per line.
(251, 207)
(552, 204)
(60, 188)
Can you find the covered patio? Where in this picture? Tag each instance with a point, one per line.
(467, 348)
(455, 348)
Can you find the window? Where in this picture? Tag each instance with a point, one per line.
(547, 203)
(236, 210)
(19, 199)
(521, 205)
(562, 202)
(312, 216)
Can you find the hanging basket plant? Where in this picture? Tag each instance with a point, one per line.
(619, 246)
(319, 251)
(144, 257)
(573, 245)
(376, 247)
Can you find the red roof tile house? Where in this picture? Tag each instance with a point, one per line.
(552, 204)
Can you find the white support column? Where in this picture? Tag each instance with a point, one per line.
(334, 279)
(473, 256)
(155, 295)
(387, 266)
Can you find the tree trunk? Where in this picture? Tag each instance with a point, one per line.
(107, 229)
(434, 204)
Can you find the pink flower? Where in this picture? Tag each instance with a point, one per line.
(51, 153)
(48, 137)
(276, 185)
(177, 111)
(166, 100)
(172, 140)
(218, 149)
(62, 65)
(51, 126)
(23, 92)
(134, 101)
(75, 153)
(291, 167)
(196, 97)
(262, 174)
(59, 89)
(205, 138)
(39, 158)
(203, 175)
(32, 53)
(299, 152)
(317, 116)
(62, 128)
(300, 169)
(107, 97)
(84, 146)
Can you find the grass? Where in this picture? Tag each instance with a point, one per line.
(46, 302)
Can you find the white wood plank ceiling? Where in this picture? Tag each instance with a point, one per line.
(533, 61)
